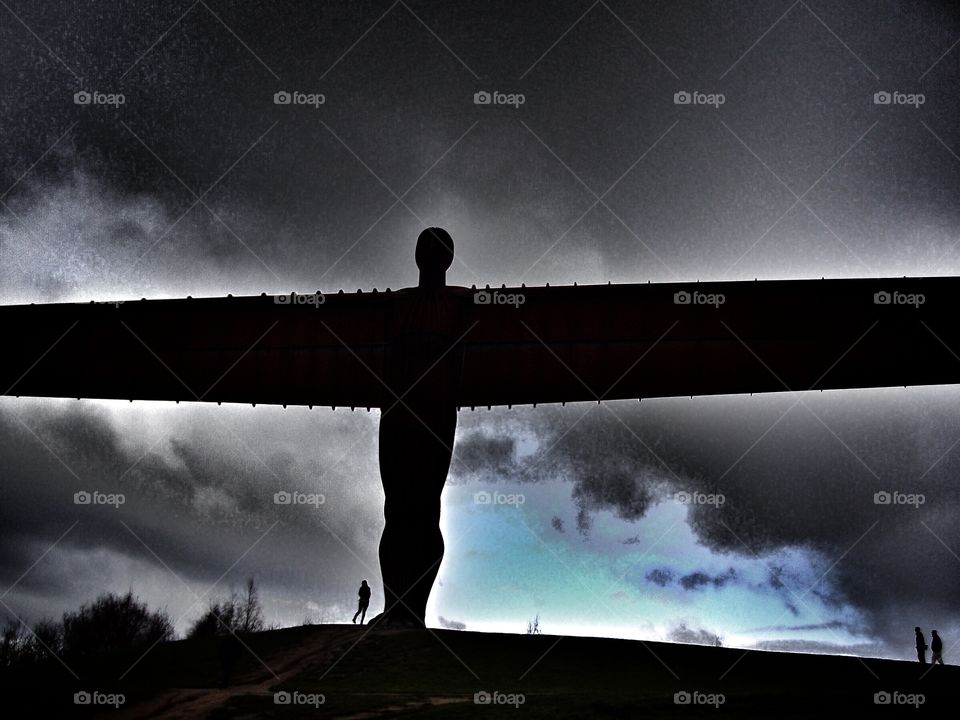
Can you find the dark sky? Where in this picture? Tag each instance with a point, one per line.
(200, 184)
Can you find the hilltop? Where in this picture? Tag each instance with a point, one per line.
(348, 671)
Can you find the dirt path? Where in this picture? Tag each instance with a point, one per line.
(182, 703)
(392, 710)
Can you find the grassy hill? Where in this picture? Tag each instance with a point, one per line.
(348, 671)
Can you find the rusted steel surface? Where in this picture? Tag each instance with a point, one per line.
(516, 345)
(241, 350)
(638, 341)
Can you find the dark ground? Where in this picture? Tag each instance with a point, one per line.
(364, 672)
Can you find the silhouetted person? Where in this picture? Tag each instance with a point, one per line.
(921, 646)
(364, 593)
(936, 648)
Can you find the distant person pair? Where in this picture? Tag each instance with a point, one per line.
(936, 647)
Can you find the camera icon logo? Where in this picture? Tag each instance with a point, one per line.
(882, 298)
(282, 498)
(682, 698)
(482, 698)
(481, 298)
(882, 698)
(482, 498)
(82, 698)
(82, 98)
(282, 698)
(282, 97)
(82, 498)
(482, 97)
(682, 98)
(681, 298)
(882, 98)
(882, 498)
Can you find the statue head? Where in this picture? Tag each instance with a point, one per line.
(434, 255)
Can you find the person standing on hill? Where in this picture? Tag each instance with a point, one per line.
(921, 646)
(364, 593)
(936, 649)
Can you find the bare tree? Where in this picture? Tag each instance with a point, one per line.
(251, 613)
(236, 614)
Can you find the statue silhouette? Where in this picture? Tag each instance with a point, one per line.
(417, 428)
(419, 353)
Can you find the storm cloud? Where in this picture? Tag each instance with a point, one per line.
(809, 475)
(201, 184)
